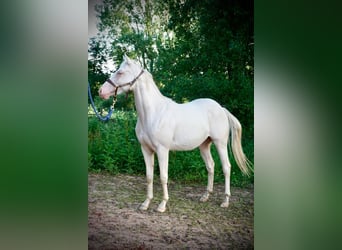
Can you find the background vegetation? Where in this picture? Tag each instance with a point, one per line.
(193, 49)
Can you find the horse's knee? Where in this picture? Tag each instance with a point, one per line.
(163, 179)
(149, 179)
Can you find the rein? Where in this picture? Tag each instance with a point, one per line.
(107, 117)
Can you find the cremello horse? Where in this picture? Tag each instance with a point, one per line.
(165, 125)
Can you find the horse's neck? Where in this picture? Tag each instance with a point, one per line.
(148, 98)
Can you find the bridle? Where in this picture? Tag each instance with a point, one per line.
(125, 84)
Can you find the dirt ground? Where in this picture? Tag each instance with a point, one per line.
(115, 222)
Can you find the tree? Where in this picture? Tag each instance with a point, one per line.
(97, 58)
(135, 27)
(213, 54)
(193, 48)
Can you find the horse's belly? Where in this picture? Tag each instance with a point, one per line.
(188, 138)
(186, 145)
(181, 139)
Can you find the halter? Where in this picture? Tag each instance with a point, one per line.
(125, 84)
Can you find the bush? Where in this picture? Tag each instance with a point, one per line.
(113, 147)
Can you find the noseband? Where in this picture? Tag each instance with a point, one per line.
(125, 84)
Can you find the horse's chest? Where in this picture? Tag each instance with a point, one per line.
(144, 138)
(152, 136)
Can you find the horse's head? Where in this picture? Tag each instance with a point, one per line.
(121, 80)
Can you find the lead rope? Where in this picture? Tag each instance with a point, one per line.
(107, 117)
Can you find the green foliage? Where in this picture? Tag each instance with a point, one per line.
(113, 147)
(134, 27)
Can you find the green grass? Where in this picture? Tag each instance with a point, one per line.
(114, 148)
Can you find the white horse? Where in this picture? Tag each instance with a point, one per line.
(165, 125)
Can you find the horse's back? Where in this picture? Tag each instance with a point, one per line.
(209, 108)
(208, 115)
(206, 104)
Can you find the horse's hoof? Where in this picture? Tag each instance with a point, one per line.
(144, 206)
(204, 198)
(162, 207)
(225, 204)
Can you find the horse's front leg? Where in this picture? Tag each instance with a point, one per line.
(163, 159)
(149, 162)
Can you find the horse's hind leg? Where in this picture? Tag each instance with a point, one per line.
(209, 163)
(223, 153)
(149, 162)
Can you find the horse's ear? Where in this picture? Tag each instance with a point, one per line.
(126, 58)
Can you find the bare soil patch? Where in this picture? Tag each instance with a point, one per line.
(115, 222)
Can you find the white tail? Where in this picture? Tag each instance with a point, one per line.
(235, 142)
